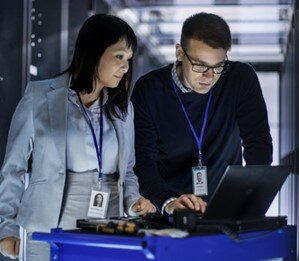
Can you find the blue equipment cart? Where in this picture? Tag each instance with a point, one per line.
(261, 245)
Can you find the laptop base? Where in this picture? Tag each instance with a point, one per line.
(193, 221)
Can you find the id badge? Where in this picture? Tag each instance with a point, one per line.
(98, 203)
(200, 181)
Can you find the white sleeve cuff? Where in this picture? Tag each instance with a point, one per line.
(166, 203)
(131, 212)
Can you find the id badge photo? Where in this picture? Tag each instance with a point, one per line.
(200, 181)
(98, 203)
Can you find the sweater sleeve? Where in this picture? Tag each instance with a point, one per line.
(253, 121)
(152, 185)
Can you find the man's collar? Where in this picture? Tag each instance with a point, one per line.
(176, 79)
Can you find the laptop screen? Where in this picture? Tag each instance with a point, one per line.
(246, 191)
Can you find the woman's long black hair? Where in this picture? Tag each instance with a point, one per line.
(96, 35)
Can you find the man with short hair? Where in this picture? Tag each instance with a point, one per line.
(193, 117)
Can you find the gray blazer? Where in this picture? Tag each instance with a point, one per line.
(37, 138)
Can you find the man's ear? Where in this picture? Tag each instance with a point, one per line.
(178, 52)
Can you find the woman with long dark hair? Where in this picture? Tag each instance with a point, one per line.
(74, 135)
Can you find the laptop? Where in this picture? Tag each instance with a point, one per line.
(238, 204)
(246, 191)
(240, 201)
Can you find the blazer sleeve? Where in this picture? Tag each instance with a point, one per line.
(131, 186)
(253, 121)
(15, 166)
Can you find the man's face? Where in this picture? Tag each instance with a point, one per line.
(201, 54)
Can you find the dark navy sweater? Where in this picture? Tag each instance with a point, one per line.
(165, 147)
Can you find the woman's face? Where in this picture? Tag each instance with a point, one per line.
(99, 199)
(113, 65)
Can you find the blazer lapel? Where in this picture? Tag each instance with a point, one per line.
(57, 104)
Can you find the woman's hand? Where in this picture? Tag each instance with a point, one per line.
(143, 206)
(10, 247)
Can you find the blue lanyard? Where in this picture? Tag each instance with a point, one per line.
(100, 145)
(200, 138)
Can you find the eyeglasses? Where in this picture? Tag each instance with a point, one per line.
(201, 68)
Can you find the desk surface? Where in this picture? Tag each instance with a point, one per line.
(261, 245)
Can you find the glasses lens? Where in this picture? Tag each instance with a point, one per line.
(218, 70)
(199, 68)
(203, 69)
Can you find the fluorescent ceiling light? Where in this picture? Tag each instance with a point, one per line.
(257, 58)
(256, 49)
(263, 49)
(240, 57)
(237, 12)
(236, 27)
(258, 27)
(128, 13)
